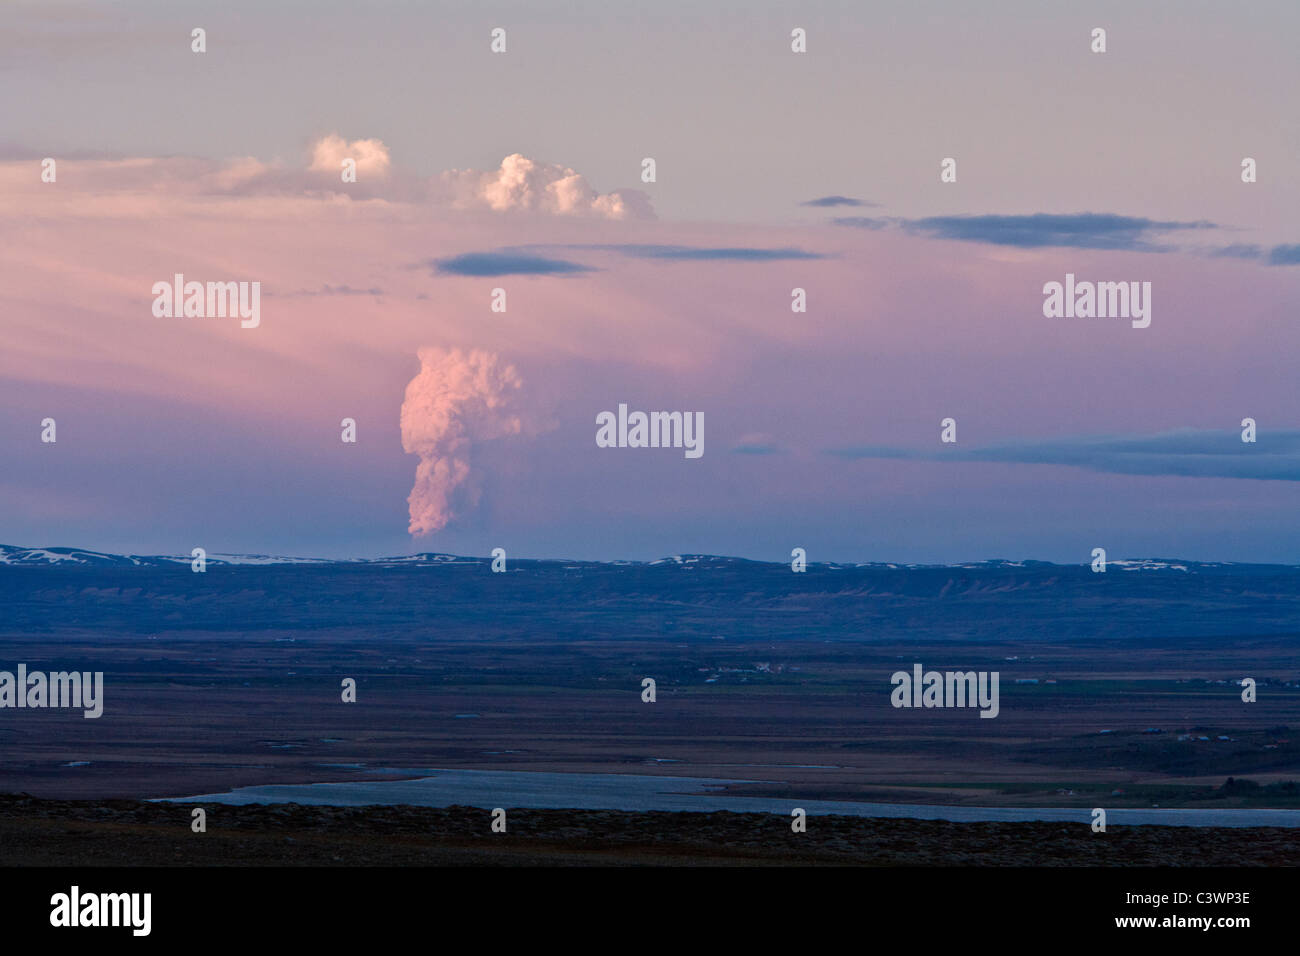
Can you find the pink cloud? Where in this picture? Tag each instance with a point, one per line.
(521, 185)
(370, 155)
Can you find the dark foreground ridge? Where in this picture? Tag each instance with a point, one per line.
(36, 832)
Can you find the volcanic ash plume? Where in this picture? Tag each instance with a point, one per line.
(458, 398)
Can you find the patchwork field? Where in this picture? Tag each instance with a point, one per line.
(194, 713)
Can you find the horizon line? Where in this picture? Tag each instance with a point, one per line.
(680, 558)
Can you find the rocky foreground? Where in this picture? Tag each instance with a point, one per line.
(38, 832)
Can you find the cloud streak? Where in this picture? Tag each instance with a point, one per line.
(698, 253)
(519, 186)
(505, 263)
(1086, 230)
(1187, 453)
(756, 443)
(823, 202)
(1285, 255)
(517, 261)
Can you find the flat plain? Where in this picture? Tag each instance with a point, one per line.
(1115, 693)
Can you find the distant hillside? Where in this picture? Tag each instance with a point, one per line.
(62, 591)
(80, 557)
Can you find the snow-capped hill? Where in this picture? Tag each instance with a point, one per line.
(14, 556)
(697, 560)
(79, 557)
(72, 557)
(1149, 564)
(424, 557)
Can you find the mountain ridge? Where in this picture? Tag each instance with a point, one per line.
(60, 556)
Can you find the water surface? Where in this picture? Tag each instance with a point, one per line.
(642, 792)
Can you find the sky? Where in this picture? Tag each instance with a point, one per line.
(775, 170)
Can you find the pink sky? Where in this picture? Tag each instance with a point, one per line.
(176, 431)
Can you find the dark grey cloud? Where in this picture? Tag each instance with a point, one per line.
(1284, 256)
(823, 201)
(524, 260)
(1277, 256)
(504, 263)
(1085, 230)
(1275, 456)
(1081, 230)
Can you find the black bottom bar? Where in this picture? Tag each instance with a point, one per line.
(654, 905)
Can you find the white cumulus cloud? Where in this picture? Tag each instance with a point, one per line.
(371, 155)
(523, 184)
